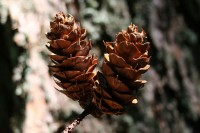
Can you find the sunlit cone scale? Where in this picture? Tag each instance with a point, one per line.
(73, 67)
(124, 63)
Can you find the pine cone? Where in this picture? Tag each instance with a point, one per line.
(72, 68)
(125, 61)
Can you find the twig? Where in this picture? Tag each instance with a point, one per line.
(70, 128)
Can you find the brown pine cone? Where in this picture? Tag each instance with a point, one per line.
(73, 68)
(126, 59)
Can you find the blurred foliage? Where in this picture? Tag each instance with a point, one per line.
(169, 103)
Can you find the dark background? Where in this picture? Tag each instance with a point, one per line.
(169, 102)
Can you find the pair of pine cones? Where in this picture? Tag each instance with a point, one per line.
(108, 91)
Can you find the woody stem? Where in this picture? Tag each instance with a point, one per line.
(70, 128)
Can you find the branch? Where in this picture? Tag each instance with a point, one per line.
(70, 128)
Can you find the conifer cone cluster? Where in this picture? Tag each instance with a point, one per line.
(126, 59)
(73, 68)
(108, 91)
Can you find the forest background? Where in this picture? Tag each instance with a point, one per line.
(169, 102)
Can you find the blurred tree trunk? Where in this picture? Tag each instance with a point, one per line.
(176, 105)
(11, 105)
